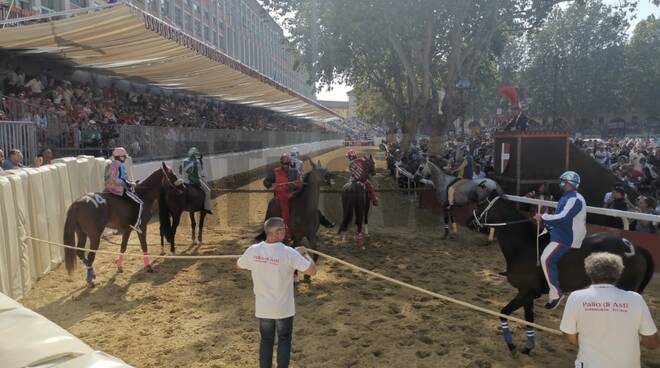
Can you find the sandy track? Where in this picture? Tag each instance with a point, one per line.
(200, 313)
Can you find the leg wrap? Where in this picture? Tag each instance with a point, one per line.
(145, 259)
(120, 261)
(506, 333)
(530, 338)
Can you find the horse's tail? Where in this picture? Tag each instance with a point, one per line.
(650, 268)
(164, 216)
(70, 227)
(348, 207)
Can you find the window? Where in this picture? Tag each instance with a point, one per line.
(178, 17)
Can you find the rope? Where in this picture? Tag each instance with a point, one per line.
(220, 191)
(98, 251)
(436, 295)
(337, 260)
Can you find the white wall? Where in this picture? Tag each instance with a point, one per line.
(219, 166)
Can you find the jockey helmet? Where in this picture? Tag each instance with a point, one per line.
(569, 177)
(193, 152)
(294, 152)
(285, 160)
(351, 155)
(119, 153)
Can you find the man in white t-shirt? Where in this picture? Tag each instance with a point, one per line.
(272, 264)
(607, 323)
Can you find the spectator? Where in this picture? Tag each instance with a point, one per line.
(272, 265)
(38, 161)
(605, 322)
(34, 86)
(478, 174)
(618, 202)
(2, 159)
(15, 160)
(48, 156)
(647, 205)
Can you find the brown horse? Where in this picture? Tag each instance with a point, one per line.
(304, 207)
(92, 213)
(172, 204)
(355, 201)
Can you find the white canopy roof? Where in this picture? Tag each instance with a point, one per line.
(125, 41)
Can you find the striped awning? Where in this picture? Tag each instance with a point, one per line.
(125, 41)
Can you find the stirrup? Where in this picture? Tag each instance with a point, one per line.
(136, 229)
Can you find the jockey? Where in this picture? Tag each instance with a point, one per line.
(117, 182)
(568, 229)
(192, 171)
(296, 163)
(287, 181)
(464, 170)
(359, 172)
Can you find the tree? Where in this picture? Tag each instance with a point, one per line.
(643, 56)
(576, 63)
(410, 52)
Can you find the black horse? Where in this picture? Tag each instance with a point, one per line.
(356, 202)
(517, 241)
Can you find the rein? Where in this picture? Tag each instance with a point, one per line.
(484, 215)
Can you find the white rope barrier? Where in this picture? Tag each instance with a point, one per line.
(594, 210)
(333, 259)
(98, 251)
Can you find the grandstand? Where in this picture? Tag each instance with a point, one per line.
(138, 69)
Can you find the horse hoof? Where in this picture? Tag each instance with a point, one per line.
(512, 348)
(526, 351)
(120, 270)
(307, 279)
(162, 253)
(150, 269)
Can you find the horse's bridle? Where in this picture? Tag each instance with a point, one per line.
(484, 216)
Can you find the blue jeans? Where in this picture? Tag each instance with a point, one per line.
(267, 328)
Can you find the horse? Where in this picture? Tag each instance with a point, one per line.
(88, 216)
(189, 199)
(517, 237)
(465, 192)
(304, 208)
(355, 201)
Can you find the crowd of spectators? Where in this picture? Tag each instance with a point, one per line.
(87, 114)
(355, 129)
(636, 162)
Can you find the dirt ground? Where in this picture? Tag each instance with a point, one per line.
(201, 313)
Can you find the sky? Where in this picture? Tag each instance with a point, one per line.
(644, 9)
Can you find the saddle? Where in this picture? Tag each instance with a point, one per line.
(452, 188)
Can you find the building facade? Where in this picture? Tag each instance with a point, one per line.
(242, 29)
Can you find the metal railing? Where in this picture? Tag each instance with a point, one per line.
(20, 135)
(66, 137)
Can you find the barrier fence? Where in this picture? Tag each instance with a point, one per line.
(21, 135)
(68, 137)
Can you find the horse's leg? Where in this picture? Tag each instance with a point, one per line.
(454, 228)
(192, 224)
(93, 246)
(312, 245)
(359, 218)
(445, 225)
(201, 226)
(145, 253)
(82, 239)
(529, 317)
(176, 219)
(367, 205)
(347, 208)
(120, 260)
(515, 304)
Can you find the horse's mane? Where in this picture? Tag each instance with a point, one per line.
(148, 182)
(509, 212)
(305, 181)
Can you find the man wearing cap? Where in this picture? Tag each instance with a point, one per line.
(118, 183)
(192, 172)
(568, 225)
(287, 181)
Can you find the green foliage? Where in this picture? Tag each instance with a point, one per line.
(643, 66)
